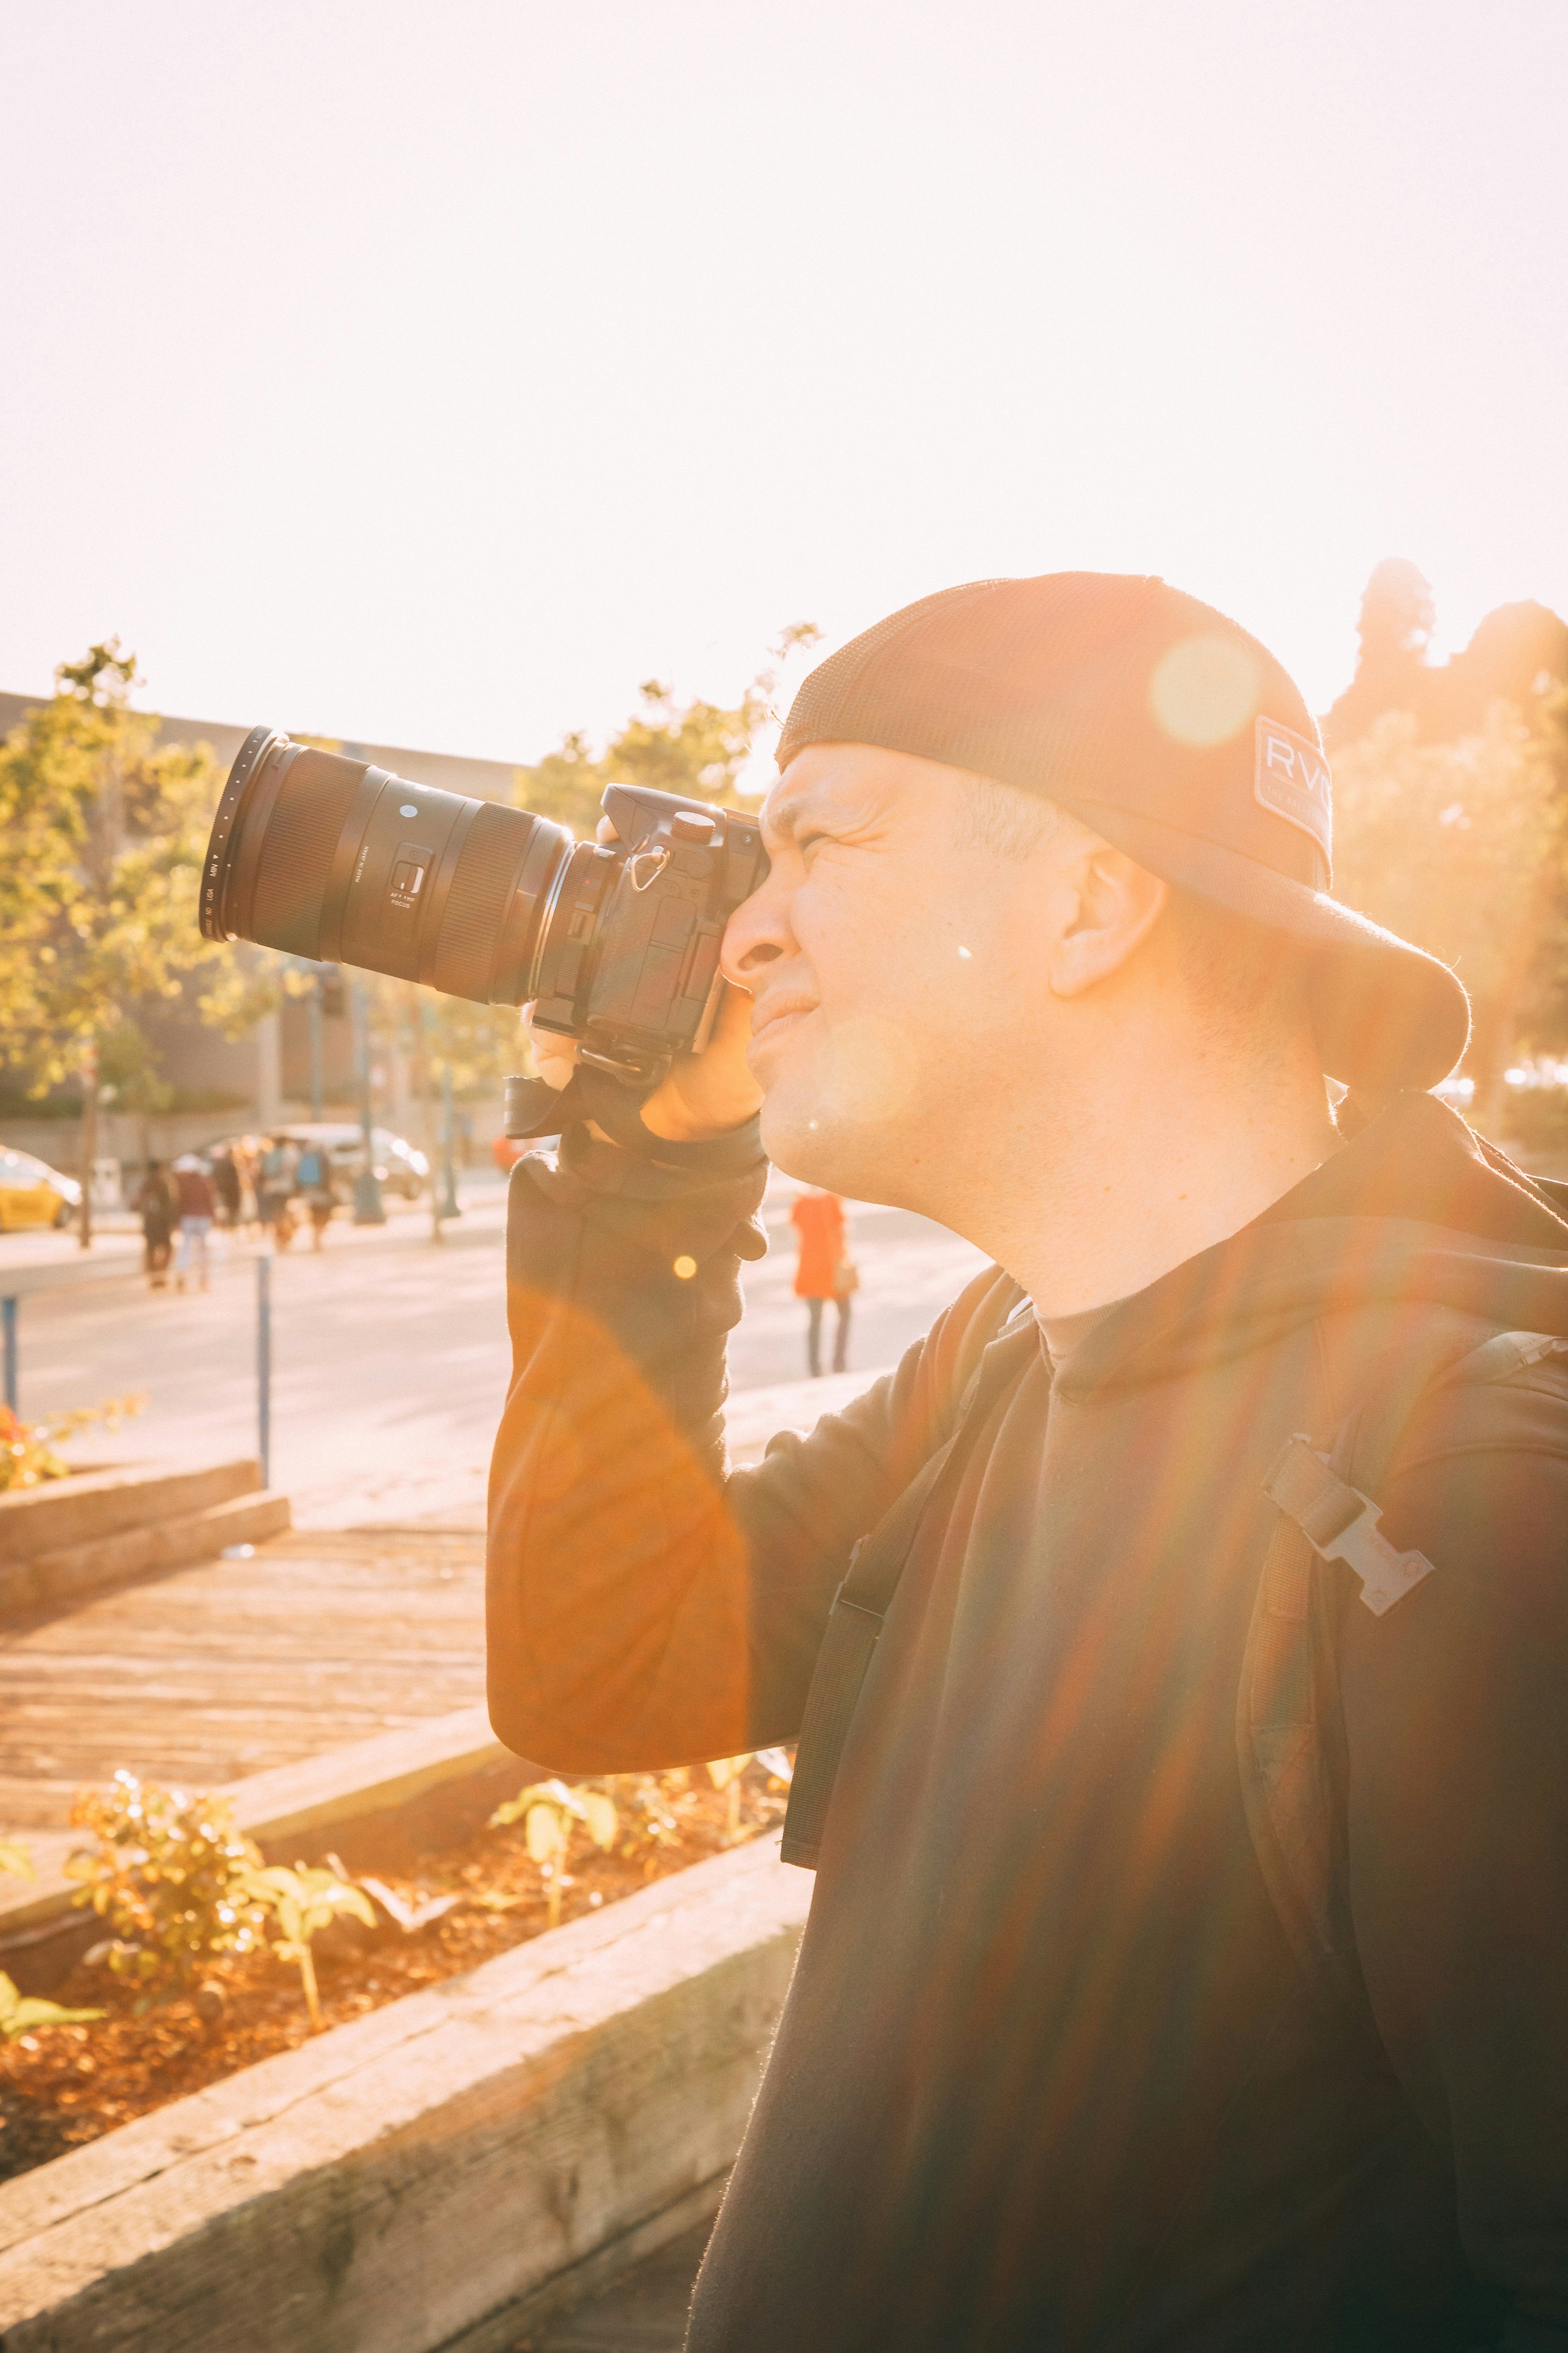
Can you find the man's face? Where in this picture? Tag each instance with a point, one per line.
(891, 967)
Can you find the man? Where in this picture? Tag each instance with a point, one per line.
(824, 1272)
(1188, 1965)
(156, 1204)
(197, 1209)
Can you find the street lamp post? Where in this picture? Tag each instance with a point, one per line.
(317, 1072)
(449, 1204)
(369, 1208)
(264, 1364)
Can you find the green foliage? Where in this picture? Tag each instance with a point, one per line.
(698, 748)
(634, 1812)
(1544, 1013)
(480, 1042)
(567, 786)
(169, 1875)
(28, 1455)
(128, 1073)
(550, 1812)
(1460, 847)
(1536, 1118)
(22, 2013)
(725, 1772)
(105, 834)
(302, 1903)
(15, 1860)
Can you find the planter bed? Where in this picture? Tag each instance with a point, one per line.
(67, 2086)
(441, 2175)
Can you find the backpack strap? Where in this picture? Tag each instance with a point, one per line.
(861, 1604)
(1290, 1741)
(1341, 1523)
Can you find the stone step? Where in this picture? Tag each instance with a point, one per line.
(66, 1513)
(53, 1578)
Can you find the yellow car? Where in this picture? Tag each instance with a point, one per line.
(34, 1193)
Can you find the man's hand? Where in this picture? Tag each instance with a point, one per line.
(703, 1094)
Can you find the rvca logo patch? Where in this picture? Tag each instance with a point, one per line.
(1291, 778)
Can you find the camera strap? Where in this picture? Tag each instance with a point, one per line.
(861, 1604)
(591, 1097)
(534, 1108)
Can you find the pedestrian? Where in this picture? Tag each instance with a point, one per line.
(197, 1209)
(156, 1205)
(227, 1187)
(1176, 1641)
(824, 1272)
(275, 1178)
(314, 1178)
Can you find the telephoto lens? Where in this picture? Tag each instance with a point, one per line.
(616, 943)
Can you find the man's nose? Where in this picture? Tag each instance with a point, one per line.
(756, 934)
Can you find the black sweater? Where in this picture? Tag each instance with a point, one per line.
(1049, 2076)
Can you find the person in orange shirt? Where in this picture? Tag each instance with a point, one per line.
(826, 1271)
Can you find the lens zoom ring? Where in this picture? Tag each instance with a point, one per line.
(470, 925)
(297, 854)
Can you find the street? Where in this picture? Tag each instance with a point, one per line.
(390, 1355)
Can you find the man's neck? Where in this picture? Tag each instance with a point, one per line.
(1086, 1207)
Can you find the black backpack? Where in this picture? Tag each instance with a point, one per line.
(1287, 1724)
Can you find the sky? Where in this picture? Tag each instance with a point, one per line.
(435, 375)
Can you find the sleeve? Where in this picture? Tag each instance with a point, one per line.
(647, 1606)
(1456, 1729)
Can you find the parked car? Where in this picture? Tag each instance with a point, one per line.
(400, 1166)
(34, 1193)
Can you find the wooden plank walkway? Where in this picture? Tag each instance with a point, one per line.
(643, 2313)
(204, 1675)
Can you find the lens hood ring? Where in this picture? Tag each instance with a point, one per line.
(218, 866)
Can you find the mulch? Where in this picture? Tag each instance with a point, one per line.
(63, 2086)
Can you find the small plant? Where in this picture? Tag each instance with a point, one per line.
(302, 1903)
(647, 1817)
(20, 2012)
(28, 1455)
(549, 1813)
(16, 1861)
(725, 1774)
(169, 1874)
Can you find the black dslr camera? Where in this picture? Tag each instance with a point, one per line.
(616, 943)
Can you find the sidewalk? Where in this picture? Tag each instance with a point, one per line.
(34, 1261)
(45, 1259)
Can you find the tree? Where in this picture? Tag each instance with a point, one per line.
(1544, 1012)
(97, 912)
(1392, 673)
(1462, 849)
(1397, 616)
(697, 748)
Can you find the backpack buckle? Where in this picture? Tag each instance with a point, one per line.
(1341, 1523)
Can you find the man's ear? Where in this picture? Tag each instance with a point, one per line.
(1112, 906)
